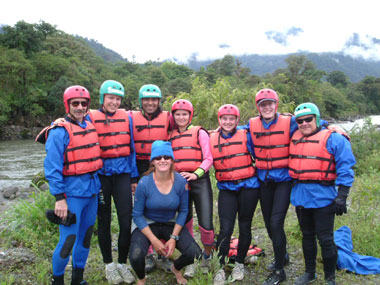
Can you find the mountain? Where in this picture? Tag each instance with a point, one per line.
(355, 68)
(100, 50)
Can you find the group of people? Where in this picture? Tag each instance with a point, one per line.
(96, 156)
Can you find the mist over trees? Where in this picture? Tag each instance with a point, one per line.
(38, 62)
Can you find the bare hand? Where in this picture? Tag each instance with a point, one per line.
(159, 247)
(59, 120)
(133, 188)
(189, 176)
(170, 247)
(61, 209)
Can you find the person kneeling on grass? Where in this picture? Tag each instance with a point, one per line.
(160, 195)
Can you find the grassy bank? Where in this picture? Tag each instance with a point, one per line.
(25, 226)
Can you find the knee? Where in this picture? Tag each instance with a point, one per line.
(67, 246)
(136, 255)
(87, 237)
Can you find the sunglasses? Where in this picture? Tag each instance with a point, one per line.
(166, 157)
(307, 120)
(76, 103)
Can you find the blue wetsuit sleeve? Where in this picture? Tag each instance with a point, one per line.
(340, 147)
(249, 138)
(183, 208)
(139, 206)
(293, 125)
(55, 146)
(133, 166)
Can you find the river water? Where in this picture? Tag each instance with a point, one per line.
(21, 159)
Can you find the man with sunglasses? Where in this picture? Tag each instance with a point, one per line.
(320, 162)
(71, 164)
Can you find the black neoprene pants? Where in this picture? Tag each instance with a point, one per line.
(119, 187)
(318, 222)
(230, 203)
(140, 243)
(201, 195)
(274, 201)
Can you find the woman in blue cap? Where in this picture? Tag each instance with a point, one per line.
(160, 210)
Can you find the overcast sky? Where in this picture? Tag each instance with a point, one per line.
(178, 29)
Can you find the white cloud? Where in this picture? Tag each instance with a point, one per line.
(151, 29)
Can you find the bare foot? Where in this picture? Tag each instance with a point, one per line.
(141, 281)
(178, 275)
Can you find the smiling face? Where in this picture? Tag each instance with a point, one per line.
(228, 123)
(150, 105)
(111, 103)
(78, 111)
(306, 127)
(267, 109)
(181, 118)
(162, 163)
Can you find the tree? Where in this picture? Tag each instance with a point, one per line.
(26, 37)
(337, 78)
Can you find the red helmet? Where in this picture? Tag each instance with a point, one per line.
(264, 95)
(75, 91)
(183, 104)
(229, 109)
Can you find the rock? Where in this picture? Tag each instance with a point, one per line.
(9, 191)
(44, 187)
(12, 197)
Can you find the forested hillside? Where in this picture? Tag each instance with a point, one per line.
(37, 63)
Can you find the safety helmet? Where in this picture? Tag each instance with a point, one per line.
(149, 91)
(183, 104)
(308, 109)
(266, 94)
(229, 109)
(75, 91)
(111, 87)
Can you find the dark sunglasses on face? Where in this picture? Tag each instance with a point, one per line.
(307, 120)
(166, 157)
(76, 103)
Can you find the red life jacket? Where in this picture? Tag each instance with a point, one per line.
(252, 250)
(114, 133)
(309, 159)
(271, 146)
(145, 132)
(82, 155)
(232, 160)
(187, 151)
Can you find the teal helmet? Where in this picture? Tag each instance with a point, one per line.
(308, 109)
(111, 87)
(149, 91)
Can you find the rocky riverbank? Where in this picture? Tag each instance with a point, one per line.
(9, 195)
(15, 132)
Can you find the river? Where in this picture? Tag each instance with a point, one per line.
(20, 160)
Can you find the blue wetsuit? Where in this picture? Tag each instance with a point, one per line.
(80, 192)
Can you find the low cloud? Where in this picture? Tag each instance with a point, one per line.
(224, 46)
(366, 47)
(282, 37)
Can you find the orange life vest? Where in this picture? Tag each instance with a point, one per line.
(82, 155)
(187, 151)
(309, 159)
(114, 133)
(271, 146)
(232, 160)
(145, 132)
